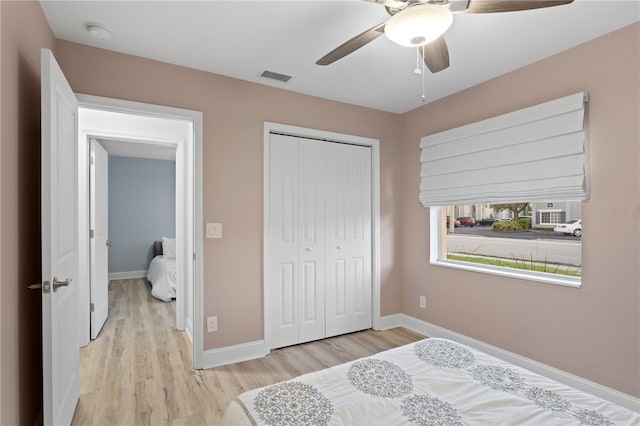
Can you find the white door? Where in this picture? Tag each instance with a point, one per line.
(60, 353)
(99, 199)
(311, 235)
(359, 230)
(296, 228)
(282, 267)
(320, 236)
(348, 239)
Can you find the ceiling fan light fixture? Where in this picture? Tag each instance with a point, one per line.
(418, 25)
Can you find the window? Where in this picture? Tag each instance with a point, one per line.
(505, 238)
(510, 172)
(552, 217)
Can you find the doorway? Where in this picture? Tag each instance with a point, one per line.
(143, 126)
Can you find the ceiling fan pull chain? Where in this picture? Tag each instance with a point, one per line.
(418, 70)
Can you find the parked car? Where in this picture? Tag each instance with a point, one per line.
(572, 227)
(467, 221)
(455, 224)
(487, 221)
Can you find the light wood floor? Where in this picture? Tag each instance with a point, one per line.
(138, 371)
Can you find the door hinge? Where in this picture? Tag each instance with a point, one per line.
(91, 233)
(194, 256)
(92, 307)
(92, 160)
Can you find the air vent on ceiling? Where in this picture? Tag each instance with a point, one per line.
(275, 76)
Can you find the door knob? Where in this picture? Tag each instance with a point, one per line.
(57, 283)
(108, 243)
(309, 249)
(339, 247)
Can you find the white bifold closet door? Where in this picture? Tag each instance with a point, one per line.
(319, 264)
(348, 239)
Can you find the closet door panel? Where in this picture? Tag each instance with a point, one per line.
(286, 293)
(359, 237)
(336, 250)
(282, 269)
(311, 248)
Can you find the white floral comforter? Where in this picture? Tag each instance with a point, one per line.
(430, 382)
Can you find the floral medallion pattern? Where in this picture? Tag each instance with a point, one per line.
(547, 399)
(425, 410)
(379, 378)
(444, 353)
(592, 418)
(498, 378)
(293, 403)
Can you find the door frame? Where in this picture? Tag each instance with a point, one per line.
(142, 130)
(325, 136)
(188, 214)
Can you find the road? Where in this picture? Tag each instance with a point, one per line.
(562, 251)
(528, 235)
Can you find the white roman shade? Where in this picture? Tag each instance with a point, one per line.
(533, 154)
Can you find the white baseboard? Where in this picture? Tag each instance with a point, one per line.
(432, 330)
(127, 275)
(232, 354)
(391, 321)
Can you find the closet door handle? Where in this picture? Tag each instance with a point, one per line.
(309, 249)
(339, 247)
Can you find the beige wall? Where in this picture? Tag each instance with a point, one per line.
(593, 331)
(234, 115)
(24, 31)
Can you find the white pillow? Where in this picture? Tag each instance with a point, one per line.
(168, 248)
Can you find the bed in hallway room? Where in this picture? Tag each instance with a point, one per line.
(162, 270)
(429, 382)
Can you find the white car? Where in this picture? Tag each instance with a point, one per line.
(572, 227)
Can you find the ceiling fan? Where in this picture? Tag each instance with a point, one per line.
(421, 23)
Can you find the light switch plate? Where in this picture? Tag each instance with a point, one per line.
(214, 230)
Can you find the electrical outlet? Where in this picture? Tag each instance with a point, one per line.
(423, 302)
(214, 230)
(212, 324)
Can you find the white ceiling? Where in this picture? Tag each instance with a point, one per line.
(242, 38)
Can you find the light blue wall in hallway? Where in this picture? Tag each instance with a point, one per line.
(142, 209)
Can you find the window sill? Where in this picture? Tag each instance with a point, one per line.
(542, 277)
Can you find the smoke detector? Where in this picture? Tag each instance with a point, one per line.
(99, 32)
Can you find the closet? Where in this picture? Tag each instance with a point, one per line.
(318, 264)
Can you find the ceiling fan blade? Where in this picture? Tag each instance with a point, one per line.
(352, 45)
(435, 55)
(492, 6)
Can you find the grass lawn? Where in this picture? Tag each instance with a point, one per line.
(519, 264)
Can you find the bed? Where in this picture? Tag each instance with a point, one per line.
(162, 270)
(429, 382)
